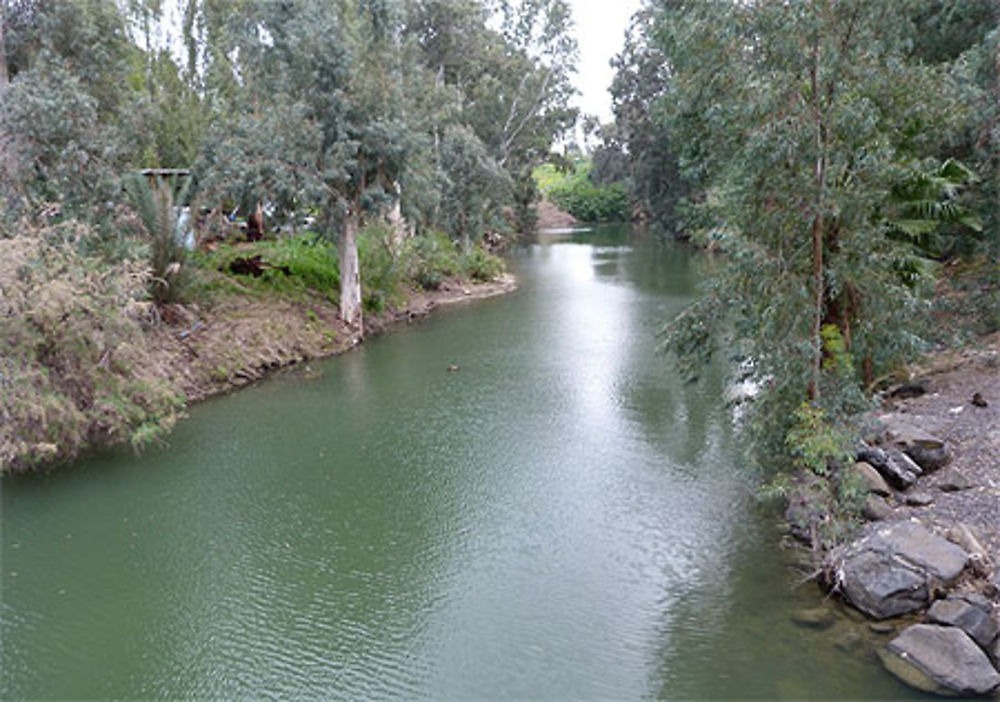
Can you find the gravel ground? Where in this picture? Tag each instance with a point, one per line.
(972, 432)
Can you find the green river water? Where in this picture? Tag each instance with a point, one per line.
(559, 519)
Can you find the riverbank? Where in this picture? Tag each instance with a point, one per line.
(236, 341)
(86, 363)
(926, 565)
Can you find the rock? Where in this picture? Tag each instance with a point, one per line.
(882, 627)
(905, 462)
(898, 477)
(976, 621)
(882, 587)
(965, 537)
(871, 478)
(919, 499)
(814, 618)
(849, 642)
(940, 659)
(929, 452)
(953, 481)
(876, 508)
(895, 569)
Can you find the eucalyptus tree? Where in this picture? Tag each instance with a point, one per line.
(796, 120)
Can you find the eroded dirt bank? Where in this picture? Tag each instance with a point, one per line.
(204, 352)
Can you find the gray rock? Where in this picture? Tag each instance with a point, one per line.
(882, 586)
(898, 477)
(871, 478)
(976, 621)
(929, 452)
(914, 543)
(814, 618)
(919, 499)
(876, 508)
(940, 659)
(882, 627)
(894, 569)
(953, 481)
(905, 462)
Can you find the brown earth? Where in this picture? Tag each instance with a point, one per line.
(971, 431)
(237, 341)
(551, 217)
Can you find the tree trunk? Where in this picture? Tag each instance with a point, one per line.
(350, 275)
(3, 53)
(819, 291)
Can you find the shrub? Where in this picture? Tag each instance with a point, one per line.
(73, 361)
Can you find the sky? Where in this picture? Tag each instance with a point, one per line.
(600, 33)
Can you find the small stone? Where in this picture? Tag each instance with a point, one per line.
(876, 508)
(849, 642)
(919, 499)
(814, 618)
(975, 621)
(871, 479)
(953, 481)
(882, 627)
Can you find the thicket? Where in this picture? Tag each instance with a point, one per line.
(575, 191)
(841, 155)
(73, 365)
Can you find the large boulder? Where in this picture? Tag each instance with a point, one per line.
(940, 659)
(896, 568)
(971, 614)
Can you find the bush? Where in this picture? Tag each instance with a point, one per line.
(483, 266)
(73, 361)
(433, 259)
(577, 194)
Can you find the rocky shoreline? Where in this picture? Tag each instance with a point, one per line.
(925, 568)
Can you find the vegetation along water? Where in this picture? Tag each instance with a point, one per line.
(559, 518)
(562, 492)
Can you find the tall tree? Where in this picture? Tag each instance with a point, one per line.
(797, 119)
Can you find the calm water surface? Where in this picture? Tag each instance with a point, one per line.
(560, 519)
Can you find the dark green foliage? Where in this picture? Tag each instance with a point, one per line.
(815, 138)
(587, 201)
(158, 213)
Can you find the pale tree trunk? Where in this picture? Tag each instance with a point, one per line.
(350, 275)
(3, 52)
(819, 291)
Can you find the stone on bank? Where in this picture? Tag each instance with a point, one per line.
(940, 659)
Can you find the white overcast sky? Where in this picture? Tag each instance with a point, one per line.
(600, 32)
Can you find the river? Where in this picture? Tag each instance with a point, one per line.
(561, 518)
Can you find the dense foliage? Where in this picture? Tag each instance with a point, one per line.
(370, 144)
(577, 192)
(431, 113)
(822, 147)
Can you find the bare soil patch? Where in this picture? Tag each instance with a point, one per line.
(206, 351)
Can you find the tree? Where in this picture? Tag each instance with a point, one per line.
(797, 120)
